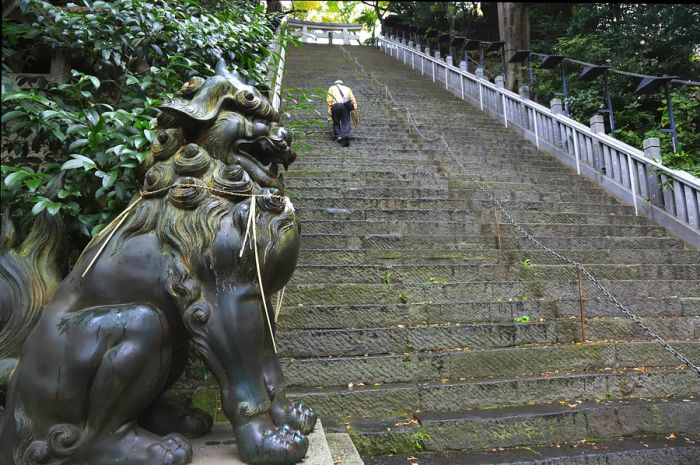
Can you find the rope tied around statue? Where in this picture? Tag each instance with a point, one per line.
(250, 231)
(444, 146)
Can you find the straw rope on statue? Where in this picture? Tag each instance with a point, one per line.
(250, 227)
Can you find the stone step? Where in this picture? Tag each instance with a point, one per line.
(327, 316)
(479, 268)
(409, 227)
(478, 159)
(334, 294)
(405, 339)
(481, 363)
(389, 241)
(390, 214)
(501, 193)
(605, 245)
(530, 425)
(556, 422)
(583, 230)
(683, 450)
(511, 256)
(340, 177)
(360, 203)
(521, 216)
(453, 395)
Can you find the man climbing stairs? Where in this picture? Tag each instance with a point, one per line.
(424, 325)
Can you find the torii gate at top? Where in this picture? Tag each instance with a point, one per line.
(313, 32)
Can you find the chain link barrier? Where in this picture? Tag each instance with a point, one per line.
(444, 146)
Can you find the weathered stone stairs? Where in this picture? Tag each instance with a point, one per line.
(407, 326)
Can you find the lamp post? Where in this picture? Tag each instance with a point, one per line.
(551, 61)
(519, 57)
(590, 73)
(651, 83)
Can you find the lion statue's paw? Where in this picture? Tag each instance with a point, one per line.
(297, 415)
(258, 443)
(137, 446)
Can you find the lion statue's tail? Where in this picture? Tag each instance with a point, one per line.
(29, 275)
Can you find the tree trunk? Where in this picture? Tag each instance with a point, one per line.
(60, 67)
(274, 6)
(514, 30)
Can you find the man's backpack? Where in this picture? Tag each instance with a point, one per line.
(346, 101)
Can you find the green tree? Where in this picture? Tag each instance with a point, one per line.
(87, 137)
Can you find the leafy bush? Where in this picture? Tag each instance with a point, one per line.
(74, 148)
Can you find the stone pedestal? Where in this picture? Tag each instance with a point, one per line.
(219, 448)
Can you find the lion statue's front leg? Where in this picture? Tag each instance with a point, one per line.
(231, 337)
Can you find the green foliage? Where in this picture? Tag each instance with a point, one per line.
(368, 18)
(420, 438)
(525, 264)
(651, 39)
(434, 280)
(300, 103)
(91, 133)
(325, 12)
(404, 298)
(386, 277)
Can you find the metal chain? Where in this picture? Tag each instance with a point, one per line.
(523, 231)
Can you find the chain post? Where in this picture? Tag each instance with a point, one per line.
(498, 230)
(443, 147)
(581, 306)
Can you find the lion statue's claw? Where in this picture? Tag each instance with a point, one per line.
(297, 415)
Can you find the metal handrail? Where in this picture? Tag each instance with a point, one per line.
(635, 152)
(678, 209)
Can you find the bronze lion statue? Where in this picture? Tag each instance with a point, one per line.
(185, 266)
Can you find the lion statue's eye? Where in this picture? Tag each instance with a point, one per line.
(190, 87)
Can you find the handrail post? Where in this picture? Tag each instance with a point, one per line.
(499, 85)
(577, 154)
(633, 187)
(581, 307)
(597, 124)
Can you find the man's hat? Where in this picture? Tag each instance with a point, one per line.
(338, 82)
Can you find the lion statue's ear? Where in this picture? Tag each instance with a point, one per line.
(233, 75)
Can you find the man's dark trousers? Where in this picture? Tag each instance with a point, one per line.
(341, 121)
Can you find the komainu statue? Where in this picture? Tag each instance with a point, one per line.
(191, 262)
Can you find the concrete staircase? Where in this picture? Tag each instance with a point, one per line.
(409, 327)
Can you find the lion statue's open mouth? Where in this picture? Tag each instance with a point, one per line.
(241, 125)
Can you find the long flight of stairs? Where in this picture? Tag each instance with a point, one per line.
(431, 332)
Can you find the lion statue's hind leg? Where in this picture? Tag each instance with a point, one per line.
(84, 408)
